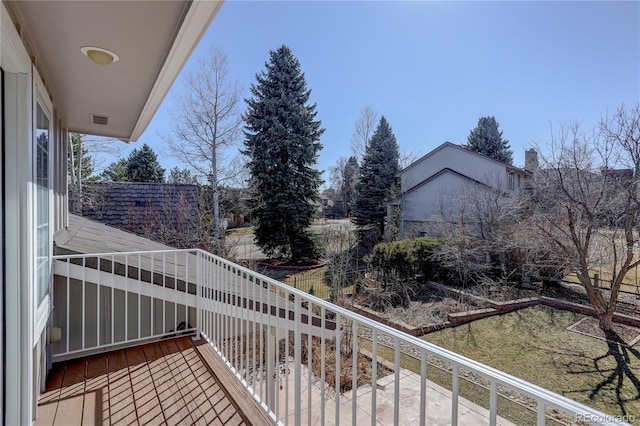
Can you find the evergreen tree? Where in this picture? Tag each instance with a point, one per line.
(487, 139)
(349, 179)
(376, 185)
(116, 172)
(143, 166)
(178, 175)
(282, 142)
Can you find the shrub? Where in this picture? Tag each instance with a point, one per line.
(406, 259)
(398, 267)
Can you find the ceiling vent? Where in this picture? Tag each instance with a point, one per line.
(102, 120)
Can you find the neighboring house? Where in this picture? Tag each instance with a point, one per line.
(58, 76)
(167, 213)
(125, 297)
(433, 186)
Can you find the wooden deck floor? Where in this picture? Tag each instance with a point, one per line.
(167, 382)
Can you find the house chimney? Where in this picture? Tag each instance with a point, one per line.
(531, 161)
(531, 165)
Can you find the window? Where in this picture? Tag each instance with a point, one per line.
(511, 181)
(43, 243)
(42, 151)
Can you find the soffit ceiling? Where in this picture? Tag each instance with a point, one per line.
(141, 33)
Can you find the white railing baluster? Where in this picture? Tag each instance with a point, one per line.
(396, 383)
(139, 297)
(374, 375)
(454, 395)
(309, 360)
(98, 306)
(540, 413)
(297, 359)
(354, 371)
(323, 372)
(113, 307)
(164, 286)
(276, 404)
(338, 356)
(84, 318)
(66, 330)
(254, 368)
(287, 351)
(423, 387)
(493, 402)
(152, 311)
(126, 299)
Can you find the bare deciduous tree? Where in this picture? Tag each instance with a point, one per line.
(587, 204)
(473, 220)
(207, 125)
(86, 154)
(364, 129)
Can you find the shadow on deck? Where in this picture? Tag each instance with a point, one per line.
(173, 381)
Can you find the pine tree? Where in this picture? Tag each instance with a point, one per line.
(178, 175)
(349, 179)
(376, 185)
(116, 172)
(487, 139)
(282, 142)
(143, 166)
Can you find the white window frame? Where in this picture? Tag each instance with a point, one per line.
(41, 308)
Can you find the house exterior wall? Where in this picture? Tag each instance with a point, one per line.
(34, 208)
(441, 197)
(461, 160)
(437, 186)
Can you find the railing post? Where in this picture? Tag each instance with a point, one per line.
(199, 292)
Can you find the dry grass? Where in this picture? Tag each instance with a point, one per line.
(240, 232)
(363, 366)
(631, 283)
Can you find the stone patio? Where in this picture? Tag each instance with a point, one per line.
(438, 407)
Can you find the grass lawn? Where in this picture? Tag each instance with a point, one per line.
(533, 344)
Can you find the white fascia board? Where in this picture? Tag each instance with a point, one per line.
(199, 16)
(13, 55)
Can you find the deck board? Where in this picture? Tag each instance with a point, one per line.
(146, 398)
(162, 383)
(173, 405)
(48, 404)
(122, 408)
(72, 393)
(94, 391)
(183, 377)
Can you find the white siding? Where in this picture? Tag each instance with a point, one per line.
(458, 159)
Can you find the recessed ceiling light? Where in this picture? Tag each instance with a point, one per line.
(99, 55)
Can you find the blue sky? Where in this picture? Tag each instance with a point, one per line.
(433, 68)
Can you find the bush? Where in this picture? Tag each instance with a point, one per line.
(405, 260)
(398, 267)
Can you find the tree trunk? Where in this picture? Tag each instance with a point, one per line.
(216, 199)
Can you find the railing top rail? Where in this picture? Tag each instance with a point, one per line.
(124, 253)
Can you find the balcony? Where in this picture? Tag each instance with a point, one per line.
(278, 344)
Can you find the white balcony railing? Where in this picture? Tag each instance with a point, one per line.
(283, 344)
